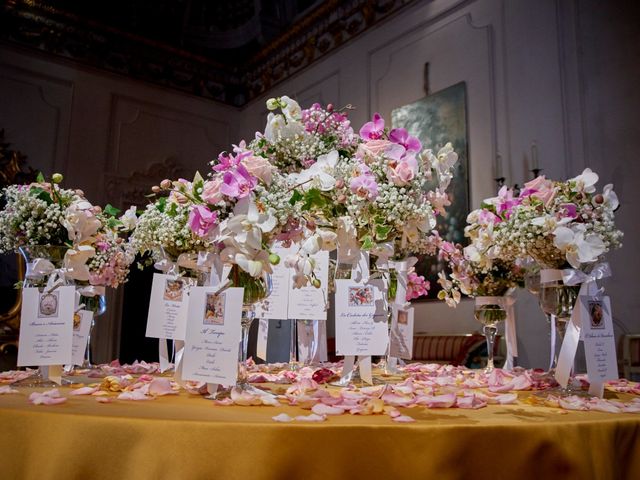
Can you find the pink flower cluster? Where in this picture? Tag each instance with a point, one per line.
(417, 286)
(328, 122)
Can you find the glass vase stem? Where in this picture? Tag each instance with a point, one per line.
(490, 336)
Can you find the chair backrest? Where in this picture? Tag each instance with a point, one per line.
(452, 349)
(631, 355)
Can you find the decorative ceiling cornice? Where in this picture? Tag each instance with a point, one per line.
(38, 25)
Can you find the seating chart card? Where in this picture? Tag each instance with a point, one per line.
(168, 306)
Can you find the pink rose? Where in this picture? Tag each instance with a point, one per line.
(259, 167)
(372, 148)
(211, 191)
(539, 188)
(402, 173)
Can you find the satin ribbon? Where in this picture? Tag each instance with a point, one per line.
(402, 272)
(506, 302)
(40, 268)
(588, 286)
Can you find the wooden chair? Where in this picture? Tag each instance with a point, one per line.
(631, 356)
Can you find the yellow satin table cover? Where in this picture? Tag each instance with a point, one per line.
(188, 437)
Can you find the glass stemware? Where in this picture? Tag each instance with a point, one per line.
(97, 305)
(532, 284)
(490, 315)
(54, 255)
(256, 289)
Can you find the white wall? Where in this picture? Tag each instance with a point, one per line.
(110, 136)
(525, 82)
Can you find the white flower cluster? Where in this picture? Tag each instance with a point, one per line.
(165, 227)
(29, 219)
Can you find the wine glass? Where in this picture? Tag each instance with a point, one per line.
(490, 315)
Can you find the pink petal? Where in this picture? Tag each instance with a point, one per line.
(472, 402)
(437, 401)
(403, 419)
(322, 409)
(397, 400)
(283, 417)
(311, 418)
(7, 389)
(84, 391)
(573, 403)
(161, 386)
(134, 395)
(104, 399)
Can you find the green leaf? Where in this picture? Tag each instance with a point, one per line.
(161, 204)
(367, 242)
(295, 198)
(313, 198)
(111, 210)
(113, 223)
(40, 178)
(41, 194)
(382, 232)
(173, 210)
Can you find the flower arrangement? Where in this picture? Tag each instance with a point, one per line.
(561, 224)
(42, 214)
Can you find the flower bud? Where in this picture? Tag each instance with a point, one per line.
(272, 104)
(274, 259)
(316, 282)
(342, 198)
(330, 107)
(79, 192)
(57, 178)
(166, 184)
(97, 209)
(598, 199)
(339, 183)
(156, 189)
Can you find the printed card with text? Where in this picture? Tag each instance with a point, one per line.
(81, 327)
(213, 335)
(361, 318)
(401, 333)
(46, 327)
(168, 306)
(599, 342)
(275, 305)
(310, 303)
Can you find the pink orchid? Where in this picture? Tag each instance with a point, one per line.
(364, 186)
(226, 161)
(238, 183)
(202, 220)
(402, 137)
(373, 130)
(507, 202)
(417, 286)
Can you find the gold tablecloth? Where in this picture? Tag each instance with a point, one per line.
(188, 437)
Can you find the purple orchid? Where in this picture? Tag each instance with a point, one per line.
(364, 186)
(202, 220)
(568, 210)
(226, 161)
(402, 137)
(373, 130)
(238, 183)
(507, 202)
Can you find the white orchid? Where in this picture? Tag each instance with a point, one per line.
(610, 197)
(291, 108)
(413, 228)
(320, 175)
(347, 239)
(129, 218)
(443, 164)
(279, 127)
(75, 262)
(254, 262)
(578, 246)
(303, 266)
(246, 227)
(586, 181)
(81, 222)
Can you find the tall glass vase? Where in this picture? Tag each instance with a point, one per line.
(489, 314)
(96, 304)
(49, 257)
(256, 289)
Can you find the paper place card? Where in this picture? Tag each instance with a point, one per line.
(310, 303)
(213, 335)
(81, 328)
(275, 305)
(599, 342)
(401, 338)
(361, 318)
(168, 306)
(46, 327)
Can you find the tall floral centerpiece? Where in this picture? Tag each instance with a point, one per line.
(63, 238)
(485, 270)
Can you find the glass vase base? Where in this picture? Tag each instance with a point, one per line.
(37, 380)
(241, 389)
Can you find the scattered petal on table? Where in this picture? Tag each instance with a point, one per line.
(471, 401)
(403, 419)
(437, 401)
(311, 418)
(84, 391)
(322, 409)
(104, 399)
(5, 389)
(50, 397)
(572, 403)
(161, 386)
(283, 417)
(135, 395)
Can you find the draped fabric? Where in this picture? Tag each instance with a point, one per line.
(188, 437)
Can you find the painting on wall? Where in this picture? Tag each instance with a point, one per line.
(437, 119)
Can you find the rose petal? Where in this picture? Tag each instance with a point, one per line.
(471, 401)
(84, 391)
(403, 419)
(311, 418)
(322, 409)
(7, 389)
(160, 387)
(283, 417)
(135, 395)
